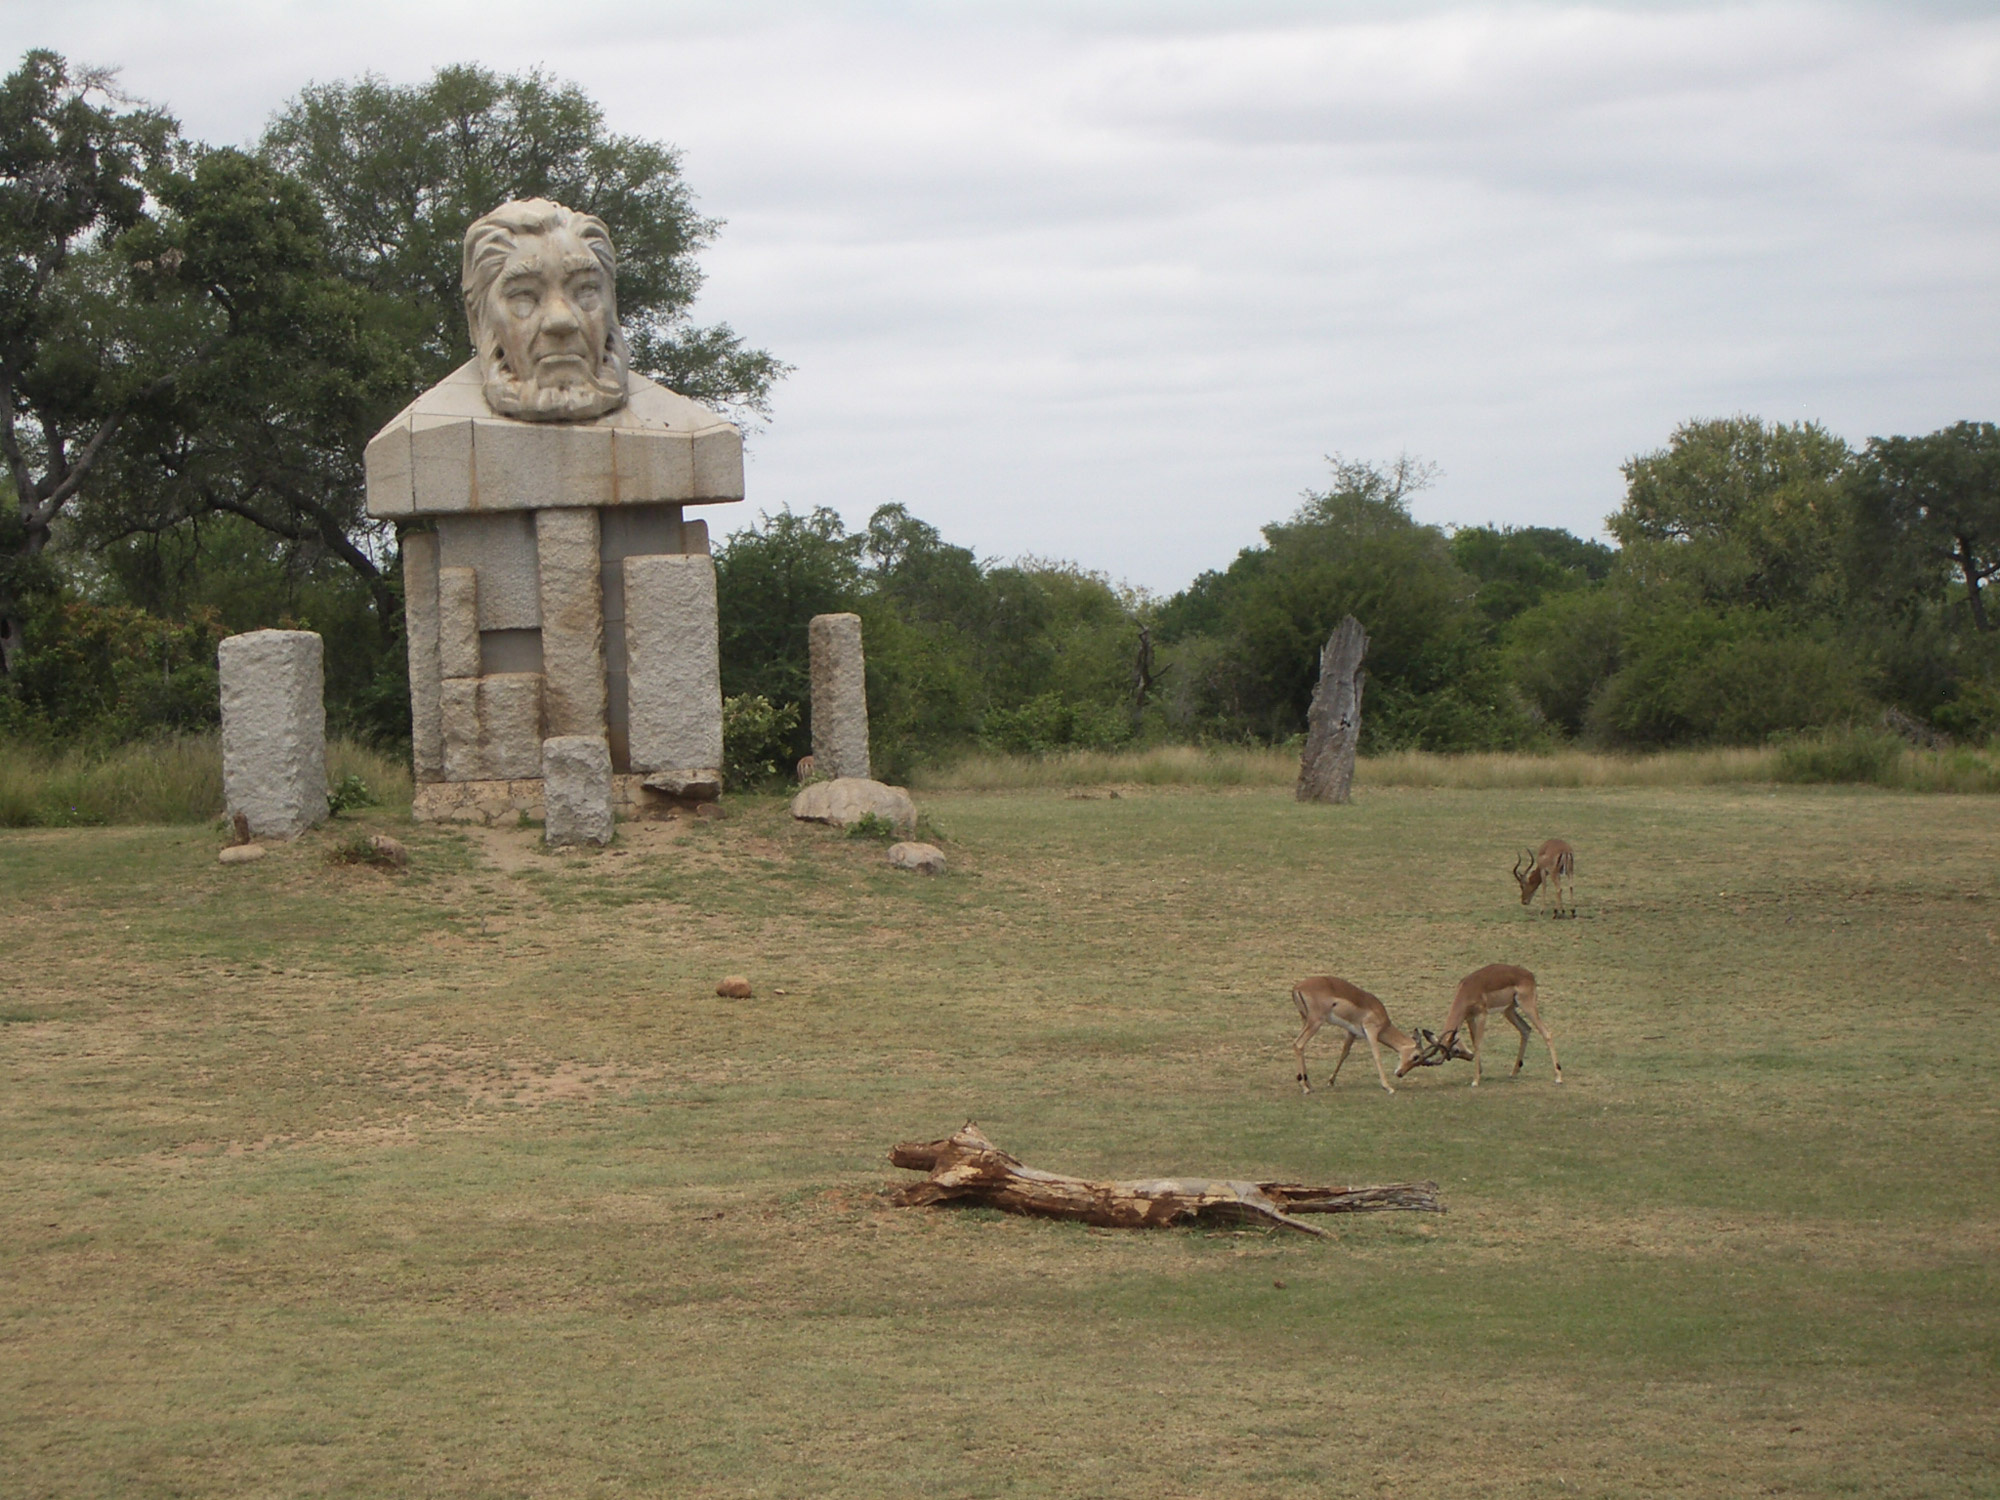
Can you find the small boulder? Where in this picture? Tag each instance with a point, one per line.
(848, 799)
(925, 859)
(241, 854)
(688, 786)
(735, 987)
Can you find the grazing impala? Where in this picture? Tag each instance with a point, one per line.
(1508, 989)
(1359, 1015)
(1553, 865)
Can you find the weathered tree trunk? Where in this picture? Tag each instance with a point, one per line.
(1333, 725)
(968, 1168)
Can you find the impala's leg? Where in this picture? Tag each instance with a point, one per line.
(1346, 1045)
(1528, 1004)
(1299, 1048)
(1476, 1024)
(1514, 1015)
(1375, 1047)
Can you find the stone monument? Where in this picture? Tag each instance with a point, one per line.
(839, 696)
(273, 731)
(554, 585)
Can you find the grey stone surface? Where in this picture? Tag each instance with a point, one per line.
(502, 549)
(839, 696)
(566, 545)
(924, 859)
(274, 730)
(492, 726)
(576, 790)
(458, 622)
(420, 626)
(673, 672)
(448, 454)
(849, 799)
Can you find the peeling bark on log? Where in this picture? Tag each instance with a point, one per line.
(968, 1168)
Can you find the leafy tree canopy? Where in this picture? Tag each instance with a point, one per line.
(1932, 504)
(401, 171)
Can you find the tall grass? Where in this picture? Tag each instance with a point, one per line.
(1860, 758)
(175, 779)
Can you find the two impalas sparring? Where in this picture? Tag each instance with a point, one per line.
(1506, 990)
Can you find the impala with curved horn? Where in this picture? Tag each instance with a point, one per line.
(1360, 1016)
(1508, 989)
(1553, 865)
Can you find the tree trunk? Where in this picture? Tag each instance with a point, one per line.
(13, 633)
(1968, 564)
(1333, 725)
(968, 1168)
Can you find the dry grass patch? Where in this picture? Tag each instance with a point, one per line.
(318, 1182)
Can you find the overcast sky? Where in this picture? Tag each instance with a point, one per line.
(1107, 281)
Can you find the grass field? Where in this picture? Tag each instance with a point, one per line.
(321, 1180)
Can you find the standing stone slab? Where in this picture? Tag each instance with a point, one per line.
(420, 625)
(839, 697)
(1333, 724)
(673, 670)
(576, 790)
(274, 730)
(566, 545)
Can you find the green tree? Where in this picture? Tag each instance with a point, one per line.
(1742, 513)
(401, 171)
(1516, 567)
(1354, 548)
(1932, 505)
(770, 580)
(73, 175)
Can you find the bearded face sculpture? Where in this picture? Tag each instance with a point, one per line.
(540, 300)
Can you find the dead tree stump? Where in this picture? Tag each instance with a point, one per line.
(968, 1168)
(1333, 724)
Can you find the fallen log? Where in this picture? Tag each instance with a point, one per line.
(968, 1168)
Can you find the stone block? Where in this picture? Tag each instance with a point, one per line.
(718, 464)
(502, 549)
(420, 628)
(274, 730)
(440, 464)
(660, 447)
(492, 726)
(839, 696)
(576, 790)
(694, 537)
(566, 548)
(386, 465)
(534, 465)
(457, 623)
(653, 466)
(673, 672)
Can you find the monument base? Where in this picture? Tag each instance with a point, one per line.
(501, 802)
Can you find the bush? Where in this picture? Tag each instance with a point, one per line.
(1050, 722)
(755, 735)
(1842, 756)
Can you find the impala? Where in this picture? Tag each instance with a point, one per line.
(1553, 865)
(1361, 1017)
(1508, 989)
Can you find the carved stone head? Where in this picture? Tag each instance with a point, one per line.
(543, 310)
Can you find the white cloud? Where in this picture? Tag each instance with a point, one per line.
(1106, 281)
